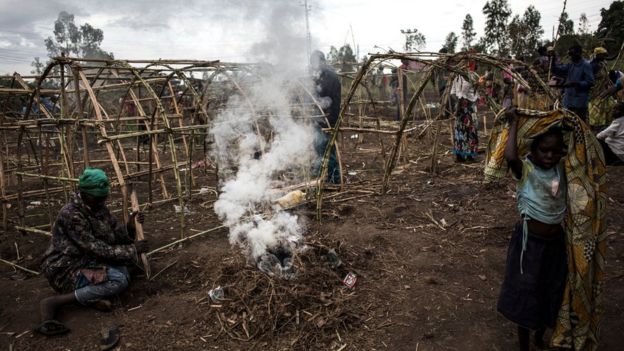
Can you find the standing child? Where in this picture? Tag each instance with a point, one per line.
(536, 269)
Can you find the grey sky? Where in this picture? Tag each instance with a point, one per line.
(238, 30)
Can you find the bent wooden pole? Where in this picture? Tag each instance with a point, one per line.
(134, 203)
(332, 140)
(393, 155)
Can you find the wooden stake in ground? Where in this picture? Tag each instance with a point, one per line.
(134, 201)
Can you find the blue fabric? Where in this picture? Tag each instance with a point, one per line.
(618, 84)
(541, 195)
(117, 281)
(536, 196)
(582, 73)
(320, 144)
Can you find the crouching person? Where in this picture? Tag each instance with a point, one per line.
(88, 258)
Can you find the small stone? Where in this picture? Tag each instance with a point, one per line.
(482, 277)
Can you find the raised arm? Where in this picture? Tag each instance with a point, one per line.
(612, 90)
(511, 148)
(560, 70)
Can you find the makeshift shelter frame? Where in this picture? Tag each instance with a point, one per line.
(448, 62)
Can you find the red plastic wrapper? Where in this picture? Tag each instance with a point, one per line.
(349, 280)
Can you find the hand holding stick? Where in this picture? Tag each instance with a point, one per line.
(137, 219)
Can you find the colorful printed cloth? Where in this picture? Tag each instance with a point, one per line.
(579, 315)
(466, 138)
(600, 112)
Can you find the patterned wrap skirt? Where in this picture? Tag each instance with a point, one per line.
(466, 137)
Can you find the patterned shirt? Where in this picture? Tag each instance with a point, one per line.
(84, 239)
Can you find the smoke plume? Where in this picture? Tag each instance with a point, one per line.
(259, 166)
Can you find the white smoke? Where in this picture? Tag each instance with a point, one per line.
(246, 203)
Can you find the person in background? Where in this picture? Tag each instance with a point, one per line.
(536, 270)
(89, 254)
(600, 109)
(466, 136)
(578, 81)
(508, 87)
(616, 79)
(329, 90)
(612, 138)
(598, 63)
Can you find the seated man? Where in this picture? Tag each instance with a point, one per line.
(612, 138)
(89, 253)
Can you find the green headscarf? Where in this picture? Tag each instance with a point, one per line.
(94, 182)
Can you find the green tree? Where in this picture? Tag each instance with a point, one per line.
(37, 66)
(566, 25)
(346, 58)
(332, 55)
(583, 25)
(481, 45)
(497, 13)
(414, 40)
(611, 27)
(83, 41)
(450, 43)
(525, 33)
(468, 33)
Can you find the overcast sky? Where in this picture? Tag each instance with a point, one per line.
(237, 30)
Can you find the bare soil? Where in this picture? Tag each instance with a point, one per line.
(429, 256)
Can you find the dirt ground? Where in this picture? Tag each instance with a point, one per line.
(429, 256)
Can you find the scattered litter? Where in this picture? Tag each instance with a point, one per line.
(482, 277)
(217, 295)
(349, 280)
(354, 136)
(352, 173)
(291, 199)
(35, 203)
(178, 209)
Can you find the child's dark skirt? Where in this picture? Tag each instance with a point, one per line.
(532, 298)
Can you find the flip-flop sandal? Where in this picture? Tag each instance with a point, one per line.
(110, 337)
(51, 327)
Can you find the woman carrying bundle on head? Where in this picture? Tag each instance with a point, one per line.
(555, 261)
(466, 133)
(536, 260)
